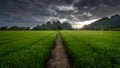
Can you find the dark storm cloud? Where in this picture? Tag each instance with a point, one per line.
(33, 12)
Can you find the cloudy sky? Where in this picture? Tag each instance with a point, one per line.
(77, 12)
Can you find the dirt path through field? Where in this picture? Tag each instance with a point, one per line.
(58, 57)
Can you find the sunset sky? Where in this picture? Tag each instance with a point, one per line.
(76, 12)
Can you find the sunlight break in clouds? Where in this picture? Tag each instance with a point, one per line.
(81, 24)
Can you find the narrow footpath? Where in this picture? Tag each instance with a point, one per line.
(58, 57)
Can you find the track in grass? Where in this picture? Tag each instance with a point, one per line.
(58, 57)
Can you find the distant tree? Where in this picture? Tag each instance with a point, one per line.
(4, 28)
(43, 26)
(56, 25)
(38, 27)
(27, 28)
(14, 28)
(66, 26)
(49, 26)
(18, 28)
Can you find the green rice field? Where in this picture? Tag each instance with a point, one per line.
(25, 49)
(86, 49)
(93, 49)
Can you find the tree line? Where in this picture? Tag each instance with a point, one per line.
(56, 25)
(14, 28)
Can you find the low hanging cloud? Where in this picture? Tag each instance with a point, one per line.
(33, 12)
(66, 8)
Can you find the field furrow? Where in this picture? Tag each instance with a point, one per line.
(33, 55)
(93, 49)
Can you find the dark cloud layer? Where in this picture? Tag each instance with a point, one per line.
(32, 12)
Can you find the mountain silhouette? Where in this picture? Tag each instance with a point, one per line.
(105, 23)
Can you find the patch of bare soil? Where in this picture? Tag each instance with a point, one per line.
(58, 57)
